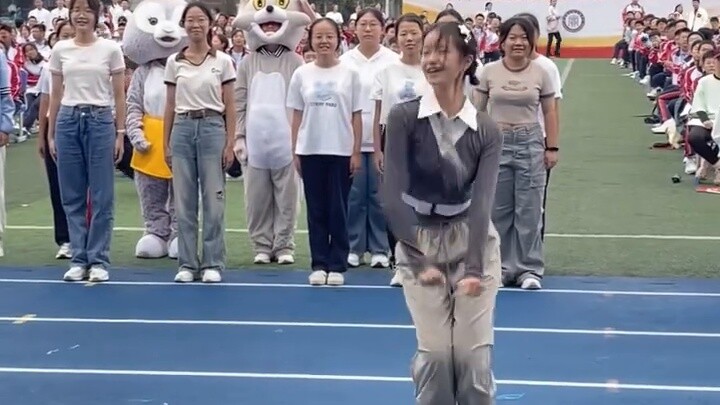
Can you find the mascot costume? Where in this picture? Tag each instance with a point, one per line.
(273, 29)
(153, 33)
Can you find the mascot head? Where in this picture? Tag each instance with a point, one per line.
(153, 31)
(271, 22)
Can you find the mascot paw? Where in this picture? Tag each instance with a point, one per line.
(151, 247)
(173, 249)
(142, 146)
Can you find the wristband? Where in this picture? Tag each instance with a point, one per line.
(552, 149)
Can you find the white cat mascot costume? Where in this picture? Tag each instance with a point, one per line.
(273, 29)
(153, 33)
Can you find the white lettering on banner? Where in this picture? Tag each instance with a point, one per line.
(584, 23)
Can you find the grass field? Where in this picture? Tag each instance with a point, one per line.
(612, 208)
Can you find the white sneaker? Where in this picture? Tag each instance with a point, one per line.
(379, 261)
(335, 278)
(396, 280)
(98, 274)
(318, 277)
(64, 252)
(691, 165)
(531, 283)
(184, 276)
(613, 61)
(353, 260)
(262, 258)
(286, 259)
(211, 276)
(645, 80)
(76, 273)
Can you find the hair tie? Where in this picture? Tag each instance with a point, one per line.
(465, 33)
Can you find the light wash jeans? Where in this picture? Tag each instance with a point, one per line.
(85, 142)
(518, 209)
(367, 230)
(197, 149)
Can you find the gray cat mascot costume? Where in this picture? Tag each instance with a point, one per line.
(273, 29)
(153, 33)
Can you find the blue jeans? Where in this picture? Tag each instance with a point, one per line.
(85, 142)
(367, 230)
(197, 149)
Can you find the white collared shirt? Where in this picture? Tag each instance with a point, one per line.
(447, 130)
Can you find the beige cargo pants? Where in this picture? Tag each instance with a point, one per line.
(453, 363)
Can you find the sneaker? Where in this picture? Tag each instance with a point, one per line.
(98, 274)
(262, 258)
(286, 259)
(690, 165)
(353, 260)
(318, 277)
(184, 276)
(211, 276)
(76, 273)
(379, 261)
(64, 252)
(531, 283)
(334, 278)
(396, 279)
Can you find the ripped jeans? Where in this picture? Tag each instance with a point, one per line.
(197, 150)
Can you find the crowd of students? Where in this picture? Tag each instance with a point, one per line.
(677, 60)
(388, 51)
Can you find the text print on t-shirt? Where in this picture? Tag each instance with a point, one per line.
(407, 92)
(515, 85)
(323, 94)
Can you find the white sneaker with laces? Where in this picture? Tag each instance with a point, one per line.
(353, 260)
(64, 252)
(98, 274)
(396, 280)
(76, 273)
(334, 278)
(379, 261)
(184, 276)
(286, 259)
(531, 283)
(262, 258)
(211, 276)
(318, 277)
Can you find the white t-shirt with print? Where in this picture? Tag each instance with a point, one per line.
(328, 97)
(199, 87)
(87, 71)
(368, 68)
(395, 84)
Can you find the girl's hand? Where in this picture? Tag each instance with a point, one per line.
(431, 276)
(168, 156)
(551, 159)
(379, 159)
(119, 148)
(51, 148)
(471, 286)
(228, 156)
(355, 164)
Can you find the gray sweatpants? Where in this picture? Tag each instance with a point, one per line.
(271, 206)
(453, 363)
(519, 203)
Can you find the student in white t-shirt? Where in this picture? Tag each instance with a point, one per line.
(401, 81)
(199, 137)
(86, 138)
(366, 222)
(326, 103)
(60, 227)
